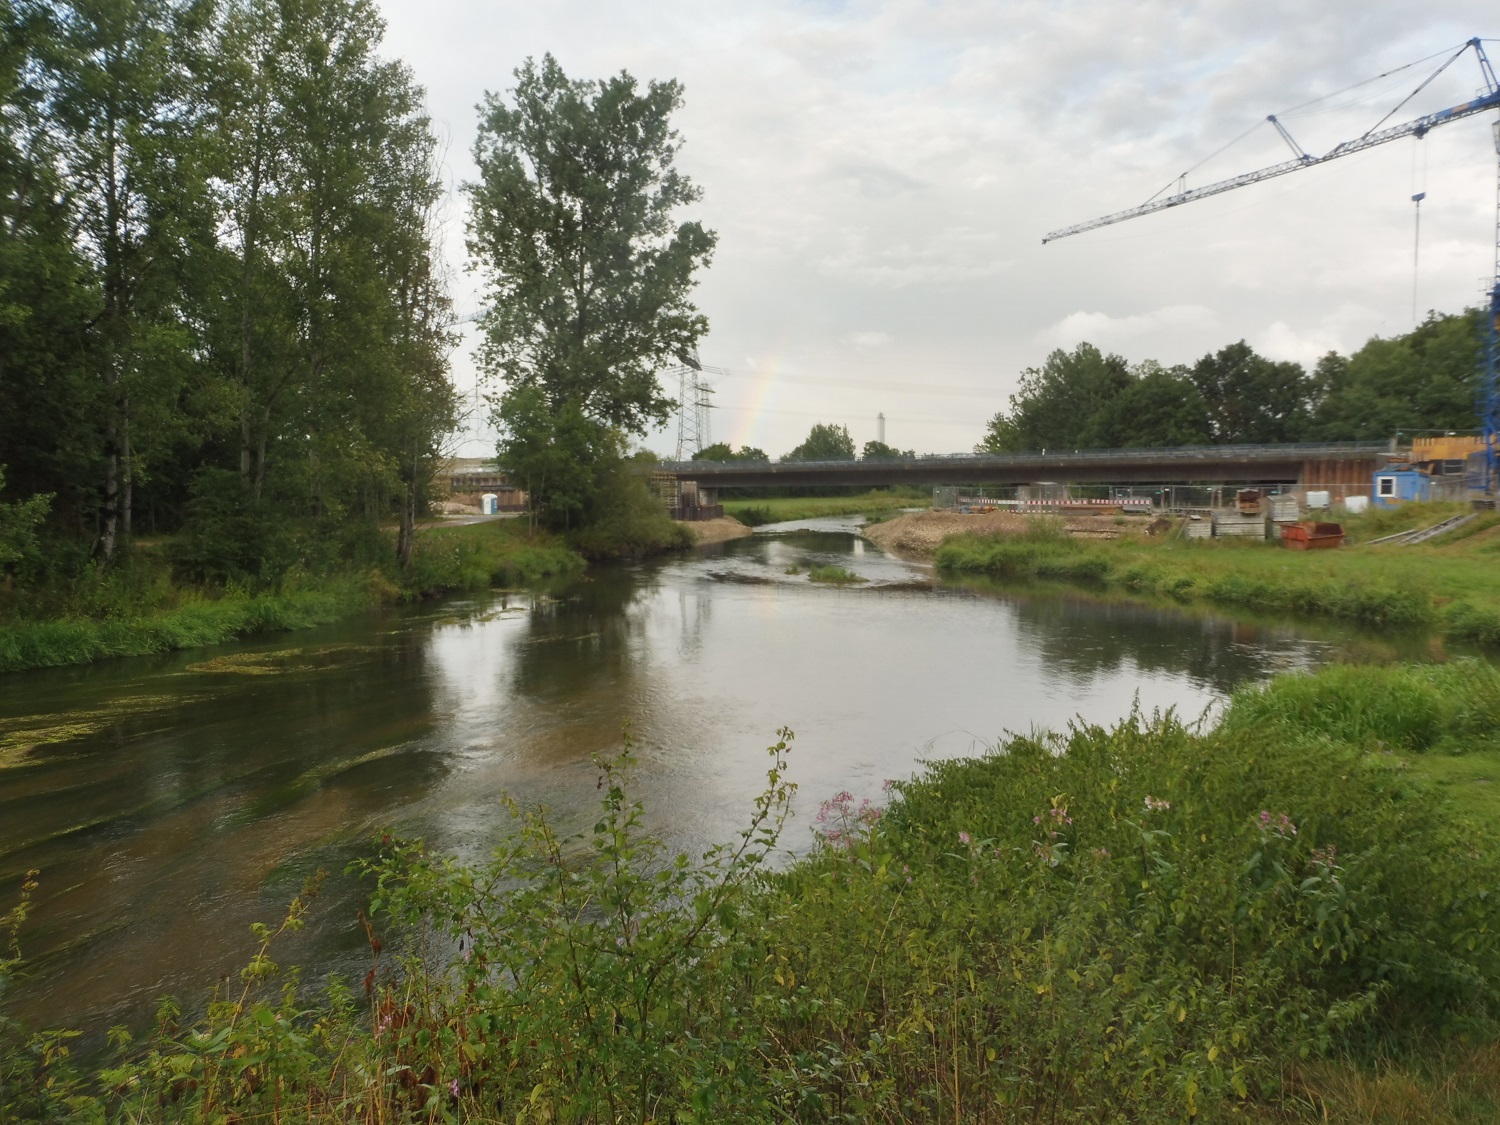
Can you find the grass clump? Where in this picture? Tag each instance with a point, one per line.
(836, 575)
(1143, 923)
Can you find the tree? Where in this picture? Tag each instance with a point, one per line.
(552, 455)
(49, 415)
(1065, 404)
(1251, 398)
(1160, 408)
(18, 523)
(879, 451)
(825, 442)
(330, 321)
(114, 82)
(720, 451)
(588, 271)
(1423, 380)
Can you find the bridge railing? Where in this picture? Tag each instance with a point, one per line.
(1247, 452)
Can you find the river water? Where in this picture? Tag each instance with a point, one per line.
(170, 802)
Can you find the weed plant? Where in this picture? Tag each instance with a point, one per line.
(836, 575)
(1147, 923)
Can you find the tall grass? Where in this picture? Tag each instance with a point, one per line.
(1450, 708)
(141, 609)
(198, 619)
(1144, 923)
(1456, 594)
(780, 509)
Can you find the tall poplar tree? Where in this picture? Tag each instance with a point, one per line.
(112, 97)
(588, 268)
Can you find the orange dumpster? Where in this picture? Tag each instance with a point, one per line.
(1312, 536)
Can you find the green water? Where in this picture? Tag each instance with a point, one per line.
(170, 802)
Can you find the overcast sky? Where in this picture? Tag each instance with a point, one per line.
(881, 176)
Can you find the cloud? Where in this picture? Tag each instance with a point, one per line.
(871, 339)
(1113, 331)
(1342, 330)
(896, 162)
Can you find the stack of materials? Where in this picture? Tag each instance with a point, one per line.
(1284, 511)
(1249, 526)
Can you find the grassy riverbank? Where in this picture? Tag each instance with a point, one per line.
(141, 608)
(1277, 920)
(780, 509)
(1451, 587)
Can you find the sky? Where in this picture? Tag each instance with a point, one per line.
(881, 175)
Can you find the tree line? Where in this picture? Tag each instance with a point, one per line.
(1424, 380)
(221, 308)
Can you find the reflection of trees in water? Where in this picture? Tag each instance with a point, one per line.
(586, 639)
(694, 611)
(1081, 639)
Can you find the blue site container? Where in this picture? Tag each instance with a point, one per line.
(1395, 485)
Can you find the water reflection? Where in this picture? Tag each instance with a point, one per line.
(171, 802)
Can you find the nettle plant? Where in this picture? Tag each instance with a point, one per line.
(593, 975)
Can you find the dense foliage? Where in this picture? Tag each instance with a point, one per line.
(722, 451)
(220, 303)
(1139, 924)
(826, 441)
(1085, 399)
(589, 273)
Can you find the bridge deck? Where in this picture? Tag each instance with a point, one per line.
(1326, 462)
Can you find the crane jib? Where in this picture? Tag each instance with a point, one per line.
(1416, 128)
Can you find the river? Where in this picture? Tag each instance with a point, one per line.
(170, 802)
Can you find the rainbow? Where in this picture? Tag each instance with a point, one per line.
(763, 384)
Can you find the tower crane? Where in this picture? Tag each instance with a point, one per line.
(1488, 98)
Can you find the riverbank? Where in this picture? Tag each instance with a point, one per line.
(145, 611)
(781, 509)
(1275, 920)
(1449, 586)
(920, 534)
(722, 530)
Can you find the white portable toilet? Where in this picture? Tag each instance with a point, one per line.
(489, 504)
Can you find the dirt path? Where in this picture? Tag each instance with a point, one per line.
(921, 533)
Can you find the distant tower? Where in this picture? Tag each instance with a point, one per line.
(880, 428)
(694, 431)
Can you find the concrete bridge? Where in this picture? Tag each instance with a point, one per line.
(1339, 467)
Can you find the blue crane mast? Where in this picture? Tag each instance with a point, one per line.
(1489, 98)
